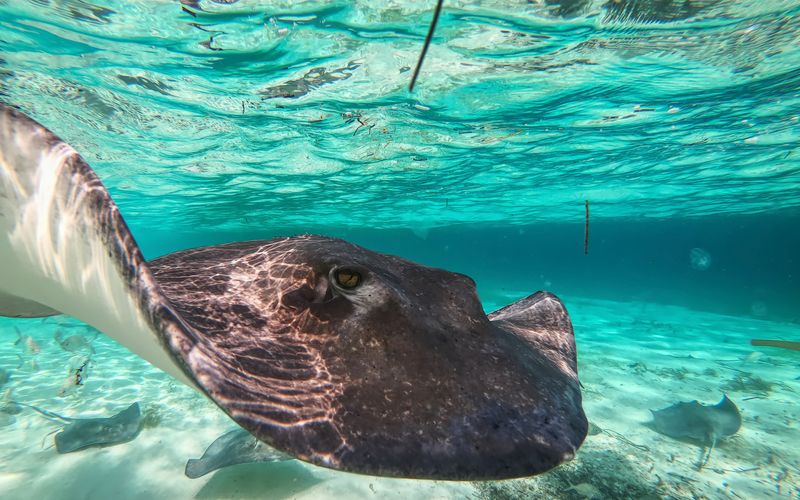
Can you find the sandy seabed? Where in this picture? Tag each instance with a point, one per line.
(633, 357)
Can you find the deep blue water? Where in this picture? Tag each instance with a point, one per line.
(754, 268)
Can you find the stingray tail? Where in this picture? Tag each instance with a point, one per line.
(706, 453)
(64, 246)
(49, 415)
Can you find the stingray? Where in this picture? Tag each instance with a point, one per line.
(698, 423)
(324, 350)
(82, 433)
(232, 448)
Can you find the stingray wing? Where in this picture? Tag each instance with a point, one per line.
(232, 448)
(64, 246)
(542, 321)
(725, 417)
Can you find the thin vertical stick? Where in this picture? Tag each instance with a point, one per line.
(427, 44)
(586, 231)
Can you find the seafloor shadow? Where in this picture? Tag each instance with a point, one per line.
(261, 480)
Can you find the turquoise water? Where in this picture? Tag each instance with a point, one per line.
(678, 121)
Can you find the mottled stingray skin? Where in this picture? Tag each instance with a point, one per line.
(698, 423)
(403, 375)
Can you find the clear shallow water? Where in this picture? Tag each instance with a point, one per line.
(520, 114)
(678, 121)
(634, 356)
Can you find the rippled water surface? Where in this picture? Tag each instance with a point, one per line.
(675, 122)
(225, 116)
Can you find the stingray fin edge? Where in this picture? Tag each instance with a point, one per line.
(542, 320)
(64, 247)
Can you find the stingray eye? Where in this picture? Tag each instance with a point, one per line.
(347, 278)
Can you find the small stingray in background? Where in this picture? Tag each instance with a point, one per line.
(698, 423)
(74, 343)
(82, 433)
(232, 448)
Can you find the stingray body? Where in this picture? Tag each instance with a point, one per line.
(81, 433)
(232, 448)
(698, 423)
(324, 350)
(84, 433)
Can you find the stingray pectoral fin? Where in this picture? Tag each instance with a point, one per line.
(542, 320)
(232, 448)
(65, 248)
(726, 416)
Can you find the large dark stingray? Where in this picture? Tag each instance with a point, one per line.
(232, 448)
(698, 423)
(81, 433)
(324, 350)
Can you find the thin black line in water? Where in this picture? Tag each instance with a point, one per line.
(586, 231)
(428, 38)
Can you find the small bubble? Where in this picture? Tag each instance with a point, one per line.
(700, 259)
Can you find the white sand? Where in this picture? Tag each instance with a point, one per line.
(633, 357)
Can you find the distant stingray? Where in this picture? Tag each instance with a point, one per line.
(82, 433)
(698, 423)
(232, 448)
